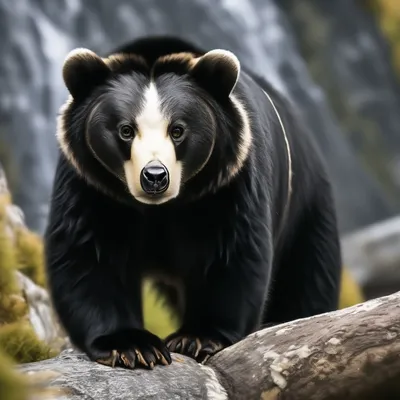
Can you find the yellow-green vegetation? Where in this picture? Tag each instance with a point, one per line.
(17, 338)
(388, 15)
(24, 253)
(350, 293)
(12, 304)
(18, 341)
(30, 256)
(12, 385)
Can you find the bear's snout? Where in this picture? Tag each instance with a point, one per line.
(154, 178)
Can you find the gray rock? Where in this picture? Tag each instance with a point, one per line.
(347, 55)
(37, 35)
(75, 377)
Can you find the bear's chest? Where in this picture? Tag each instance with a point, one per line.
(177, 243)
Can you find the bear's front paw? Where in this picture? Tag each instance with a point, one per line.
(198, 348)
(130, 349)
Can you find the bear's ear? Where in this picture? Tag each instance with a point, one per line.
(217, 71)
(82, 71)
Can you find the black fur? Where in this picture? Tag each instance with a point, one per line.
(231, 253)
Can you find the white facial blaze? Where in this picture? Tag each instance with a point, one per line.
(152, 142)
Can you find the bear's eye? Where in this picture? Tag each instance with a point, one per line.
(177, 131)
(126, 132)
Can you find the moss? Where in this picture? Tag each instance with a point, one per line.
(22, 250)
(30, 255)
(19, 341)
(12, 304)
(12, 385)
(25, 252)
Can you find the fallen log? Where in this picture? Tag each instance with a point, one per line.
(350, 354)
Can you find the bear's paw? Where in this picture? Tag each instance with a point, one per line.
(131, 349)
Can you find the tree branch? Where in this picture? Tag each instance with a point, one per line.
(347, 354)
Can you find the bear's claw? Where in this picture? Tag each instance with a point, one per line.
(132, 349)
(200, 349)
(131, 358)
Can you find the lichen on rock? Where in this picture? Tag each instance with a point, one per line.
(21, 261)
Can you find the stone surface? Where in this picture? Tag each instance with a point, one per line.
(36, 36)
(41, 315)
(77, 378)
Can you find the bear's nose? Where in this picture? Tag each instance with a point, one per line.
(154, 178)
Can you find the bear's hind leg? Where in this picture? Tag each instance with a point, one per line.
(225, 305)
(307, 279)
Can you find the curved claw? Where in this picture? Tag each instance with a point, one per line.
(200, 349)
(139, 348)
(109, 361)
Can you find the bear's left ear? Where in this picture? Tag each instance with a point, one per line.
(217, 71)
(83, 70)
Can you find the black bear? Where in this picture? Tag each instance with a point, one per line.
(178, 164)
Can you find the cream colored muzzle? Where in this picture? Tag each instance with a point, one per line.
(153, 174)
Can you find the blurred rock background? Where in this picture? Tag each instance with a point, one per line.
(333, 58)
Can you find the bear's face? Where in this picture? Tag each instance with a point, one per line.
(153, 128)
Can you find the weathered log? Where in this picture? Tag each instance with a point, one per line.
(373, 255)
(347, 354)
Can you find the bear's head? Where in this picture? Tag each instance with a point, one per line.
(156, 132)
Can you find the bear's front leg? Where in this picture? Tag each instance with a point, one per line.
(102, 316)
(225, 307)
(97, 302)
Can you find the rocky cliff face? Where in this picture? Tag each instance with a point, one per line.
(347, 55)
(327, 56)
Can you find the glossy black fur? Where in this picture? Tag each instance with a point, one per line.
(235, 260)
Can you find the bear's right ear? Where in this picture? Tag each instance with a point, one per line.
(83, 70)
(217, 71)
